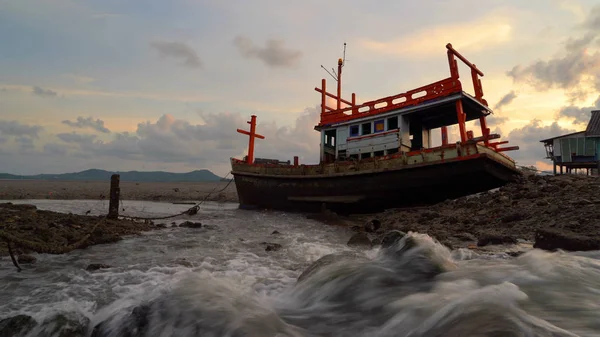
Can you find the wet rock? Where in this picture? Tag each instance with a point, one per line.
(135, 325)
(161, 225)
(275, 233)
(97, 266)
(549, 239)
(465, 236)
(495, 239)
(271, 247)
(174, 225)
(372, 226)
(328, 260)
(376, 242)
(359, 239)
(210, 227)
(189, 224)
(64, 325)
(513, 217)
(355, 228)
(391, 237)
(16, 326)
(184, 262)
(26, 259)
(515, 254)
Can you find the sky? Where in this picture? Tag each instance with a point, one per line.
(163, 85)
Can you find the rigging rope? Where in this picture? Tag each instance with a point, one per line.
(190, 211)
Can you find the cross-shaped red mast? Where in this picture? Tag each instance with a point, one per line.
(252, 134)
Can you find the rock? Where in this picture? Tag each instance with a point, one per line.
(16, 326)
(372, 226)
(174, 225)
(275, 233)
(549, 239)
(465, 236)
(359, 239)
(136, 324)
(513, 217)
(65, 325)
(271, 247)
(184, 262)
(161, 225)
(210, 227)
(355, 228)
(391, 238)
(495, 239)
(97, 266)
(26, 259)
(376, 242)
(328, 260)
(189, 224)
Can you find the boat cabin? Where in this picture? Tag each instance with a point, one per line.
(403, 122)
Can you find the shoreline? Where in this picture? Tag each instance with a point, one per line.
(561, 209)
(99, 190)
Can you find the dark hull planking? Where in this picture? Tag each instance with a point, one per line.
(373, 192)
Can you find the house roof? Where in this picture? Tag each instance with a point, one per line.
(593, 127)
(562, 136)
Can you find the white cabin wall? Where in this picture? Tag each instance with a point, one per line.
(426, 138)
(556, 146)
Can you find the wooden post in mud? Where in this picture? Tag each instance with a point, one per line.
(115, 192)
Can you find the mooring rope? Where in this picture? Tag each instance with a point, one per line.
(190, 211)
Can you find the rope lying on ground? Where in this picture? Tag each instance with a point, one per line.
(42, 248)
(190, 211)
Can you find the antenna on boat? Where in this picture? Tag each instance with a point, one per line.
(335, 76)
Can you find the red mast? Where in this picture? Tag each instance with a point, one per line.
(252, 134)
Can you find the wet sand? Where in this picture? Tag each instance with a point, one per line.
(99, 190)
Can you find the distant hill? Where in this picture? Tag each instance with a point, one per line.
(102, 175)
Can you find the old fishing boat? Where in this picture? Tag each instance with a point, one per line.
(379, 154)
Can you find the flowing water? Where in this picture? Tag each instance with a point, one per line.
(220, 281)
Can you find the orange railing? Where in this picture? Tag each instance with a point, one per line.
(432, 91)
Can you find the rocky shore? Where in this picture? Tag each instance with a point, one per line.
(550, 212)
(31, 230)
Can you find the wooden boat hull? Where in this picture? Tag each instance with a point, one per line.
(374, 190)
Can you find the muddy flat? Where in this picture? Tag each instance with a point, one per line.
(99, 190)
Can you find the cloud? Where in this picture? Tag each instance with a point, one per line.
(483, 33)
(178, 50)
(79, 78)
(528, 139)
(43, 92)
(24, 142)
(506, 100)
(274, 54)
(571, 70)
(75, 138)
(55, 149)
(15, 128)
(580, 115)
(168, 143)
(88, 122)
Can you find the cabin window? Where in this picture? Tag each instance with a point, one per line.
(379, 125)
(392, 151)
(353, 156)
(378, 153)
(392, 123)
(354, 131)
(366, 128)
(365, 155)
